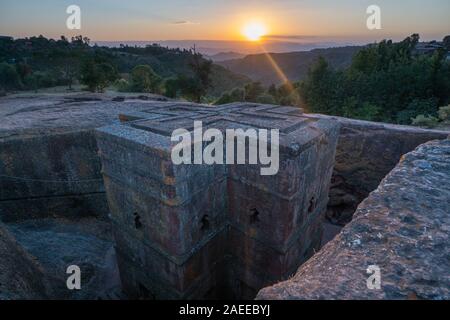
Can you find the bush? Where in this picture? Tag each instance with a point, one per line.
(235, 95)
(107, 74)
(9, 77)
(144, 79)
(266, 99)
(352, 108)
(406, 116)
(171, 88)
(292, 99)
(31, 82)
(224, 99)
(97, 76)
(444, 113)
(426, 107)
(39, 79)
(252, 91)
(122, 85)
(425, 121)
(198, 85)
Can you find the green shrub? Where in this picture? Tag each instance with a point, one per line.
(386, 81)
(266, 99)
(31, 82)
(122, 85)
(9, 77)
(425, 121)
(352, 108)
(40, 79)
(253, 90)
(171, 87)
(444, 113)
(426, 107)
(235, 95)
(97, 75)
(224, 99)
(144, 79)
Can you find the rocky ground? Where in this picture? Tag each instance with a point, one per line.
(402, 227)
(44, 113)
(54, 244)
(408, 208)
(21, 276)
(59, 243)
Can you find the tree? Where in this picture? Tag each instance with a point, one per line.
(266, 98)
(39, 79)
(97, 75)
(426, 107)
(79, 41)
(171, 88)
(144, 79)
(252, 91)
(70, 68)
(272, 90)
(385, 82)
(107, 75)
(190, 88)
(446, 42)
(122, 85)
(89, 75)
(9, 77)
(235, 95)
(195, 87)
(318, 90)
(23, 69)
(224, 99)
(287, 94)
(444, 113)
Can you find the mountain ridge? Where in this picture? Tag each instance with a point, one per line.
(294, 64)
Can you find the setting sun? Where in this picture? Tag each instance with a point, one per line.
(254, 31)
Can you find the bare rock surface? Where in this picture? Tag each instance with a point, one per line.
(59, 243)
(21, 276)
(366, 153)
(49, 165)
(402, 227)
(33, 114)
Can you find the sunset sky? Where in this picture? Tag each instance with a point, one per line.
(291, 20)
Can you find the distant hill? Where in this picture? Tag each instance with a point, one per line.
(294, 65)
(213, 47)
(222, 56)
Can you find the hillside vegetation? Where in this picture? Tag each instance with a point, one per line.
(38, 62)
(388, 82)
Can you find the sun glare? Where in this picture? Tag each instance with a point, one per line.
(254, 31)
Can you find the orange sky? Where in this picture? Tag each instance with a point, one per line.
(224, 20)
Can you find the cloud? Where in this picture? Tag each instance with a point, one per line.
(184, 22)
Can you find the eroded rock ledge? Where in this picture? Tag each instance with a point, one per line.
(402, 227)
(21, 277)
